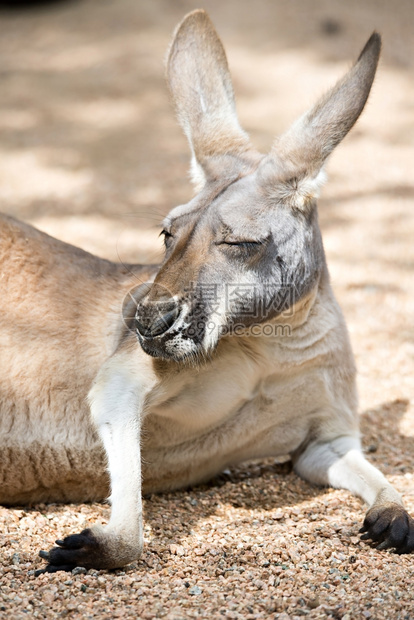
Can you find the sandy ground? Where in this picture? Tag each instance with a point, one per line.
(90, 152)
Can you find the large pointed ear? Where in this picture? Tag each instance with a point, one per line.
(307, 144)
(201, 88)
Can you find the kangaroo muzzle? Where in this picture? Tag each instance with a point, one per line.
(163, 323)
(154, 319)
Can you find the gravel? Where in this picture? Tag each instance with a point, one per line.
(260, 543)
(85, 119)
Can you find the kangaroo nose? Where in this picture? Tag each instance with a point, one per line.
(148, 327)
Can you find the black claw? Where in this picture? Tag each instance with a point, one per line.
(76, 541)
(41, 571)
(51, 568)
(44, 555)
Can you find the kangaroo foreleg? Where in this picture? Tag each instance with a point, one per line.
(341, 464)
(117, 399)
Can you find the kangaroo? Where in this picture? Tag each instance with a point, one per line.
(233, 348)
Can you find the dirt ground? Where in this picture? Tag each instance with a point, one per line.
(91, 153)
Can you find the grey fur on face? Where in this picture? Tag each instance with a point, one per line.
(260, 257)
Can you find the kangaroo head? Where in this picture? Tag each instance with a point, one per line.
(247, 248)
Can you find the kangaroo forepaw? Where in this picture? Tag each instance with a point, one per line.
(76, 550)
(89, 549)
(391, 527)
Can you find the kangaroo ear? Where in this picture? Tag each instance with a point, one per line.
(201, 88)
(310, 140)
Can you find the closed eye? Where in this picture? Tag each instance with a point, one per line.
(247, 248)
(246, 244)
